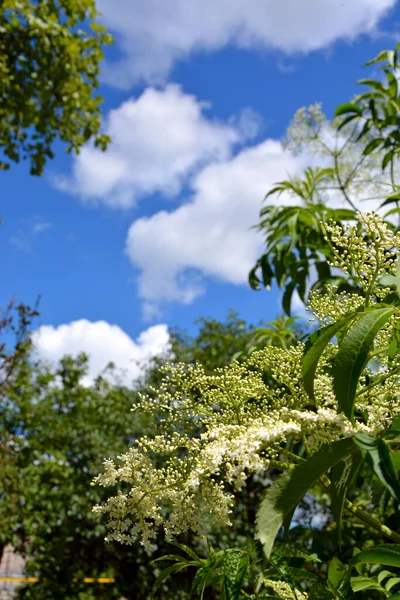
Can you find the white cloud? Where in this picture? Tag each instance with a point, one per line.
(103, 343)
(153, 34)
(24, 238)
(158, 140)
(209, 236)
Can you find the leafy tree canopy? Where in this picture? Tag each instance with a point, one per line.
(50, 54)
(55, 432)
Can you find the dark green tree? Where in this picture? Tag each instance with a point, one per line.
(54, 434)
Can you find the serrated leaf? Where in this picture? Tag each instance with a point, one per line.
(189, 552)
(315, 346)
(234, 567)
(319, 592)
(341, 477)
(202, 576)
(290, 488)
(300, 574)
(385, 554)
(351, 358)
(379, 457)
(290, 551)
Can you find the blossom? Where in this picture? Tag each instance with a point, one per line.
(214, 432)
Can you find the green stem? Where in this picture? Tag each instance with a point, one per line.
(373, 523)
(377, 381)
(360, 514)
(341, 185)
(365, 517)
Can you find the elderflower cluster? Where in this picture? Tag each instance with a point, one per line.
(213, 432)
(284, 590)
(365, 253)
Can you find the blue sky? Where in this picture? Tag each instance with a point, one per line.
(155, 232)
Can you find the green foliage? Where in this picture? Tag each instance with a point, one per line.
(50, 54)
(287, 492)
(238, 422)
(295, 243)
(358, 146)
(379, 457)
(315, 346)
(378, 109)
(55, 432)
(342, 475)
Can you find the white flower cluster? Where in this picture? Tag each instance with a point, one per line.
(284, 590)
(215, 431)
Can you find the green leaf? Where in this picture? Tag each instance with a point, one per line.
(203, 575)
(379, 457)
(290, 551)
(394, 343)
(319, 592)
(364, 583)
(289, 489)
(234, 567)
(383, 55)
(383, 575)
(341, 477)
(300, 574)
(395, 426)
(372, 145)
(287, 296)
(374, 84)
(188, 551)
(393, 85)
(336, 573)
(352, 356)
(391, 583)
(347, 107)
(385, 554)
(392, 280)
(391, 199)
(166, 573)
(347, 120)
(254, 281)
(387, 159)
(315, 345)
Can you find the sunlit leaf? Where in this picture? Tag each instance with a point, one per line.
(352, 356)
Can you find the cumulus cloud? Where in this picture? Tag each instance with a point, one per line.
(158, 140)
(104, 343)
(154, 34)
(210, 235)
